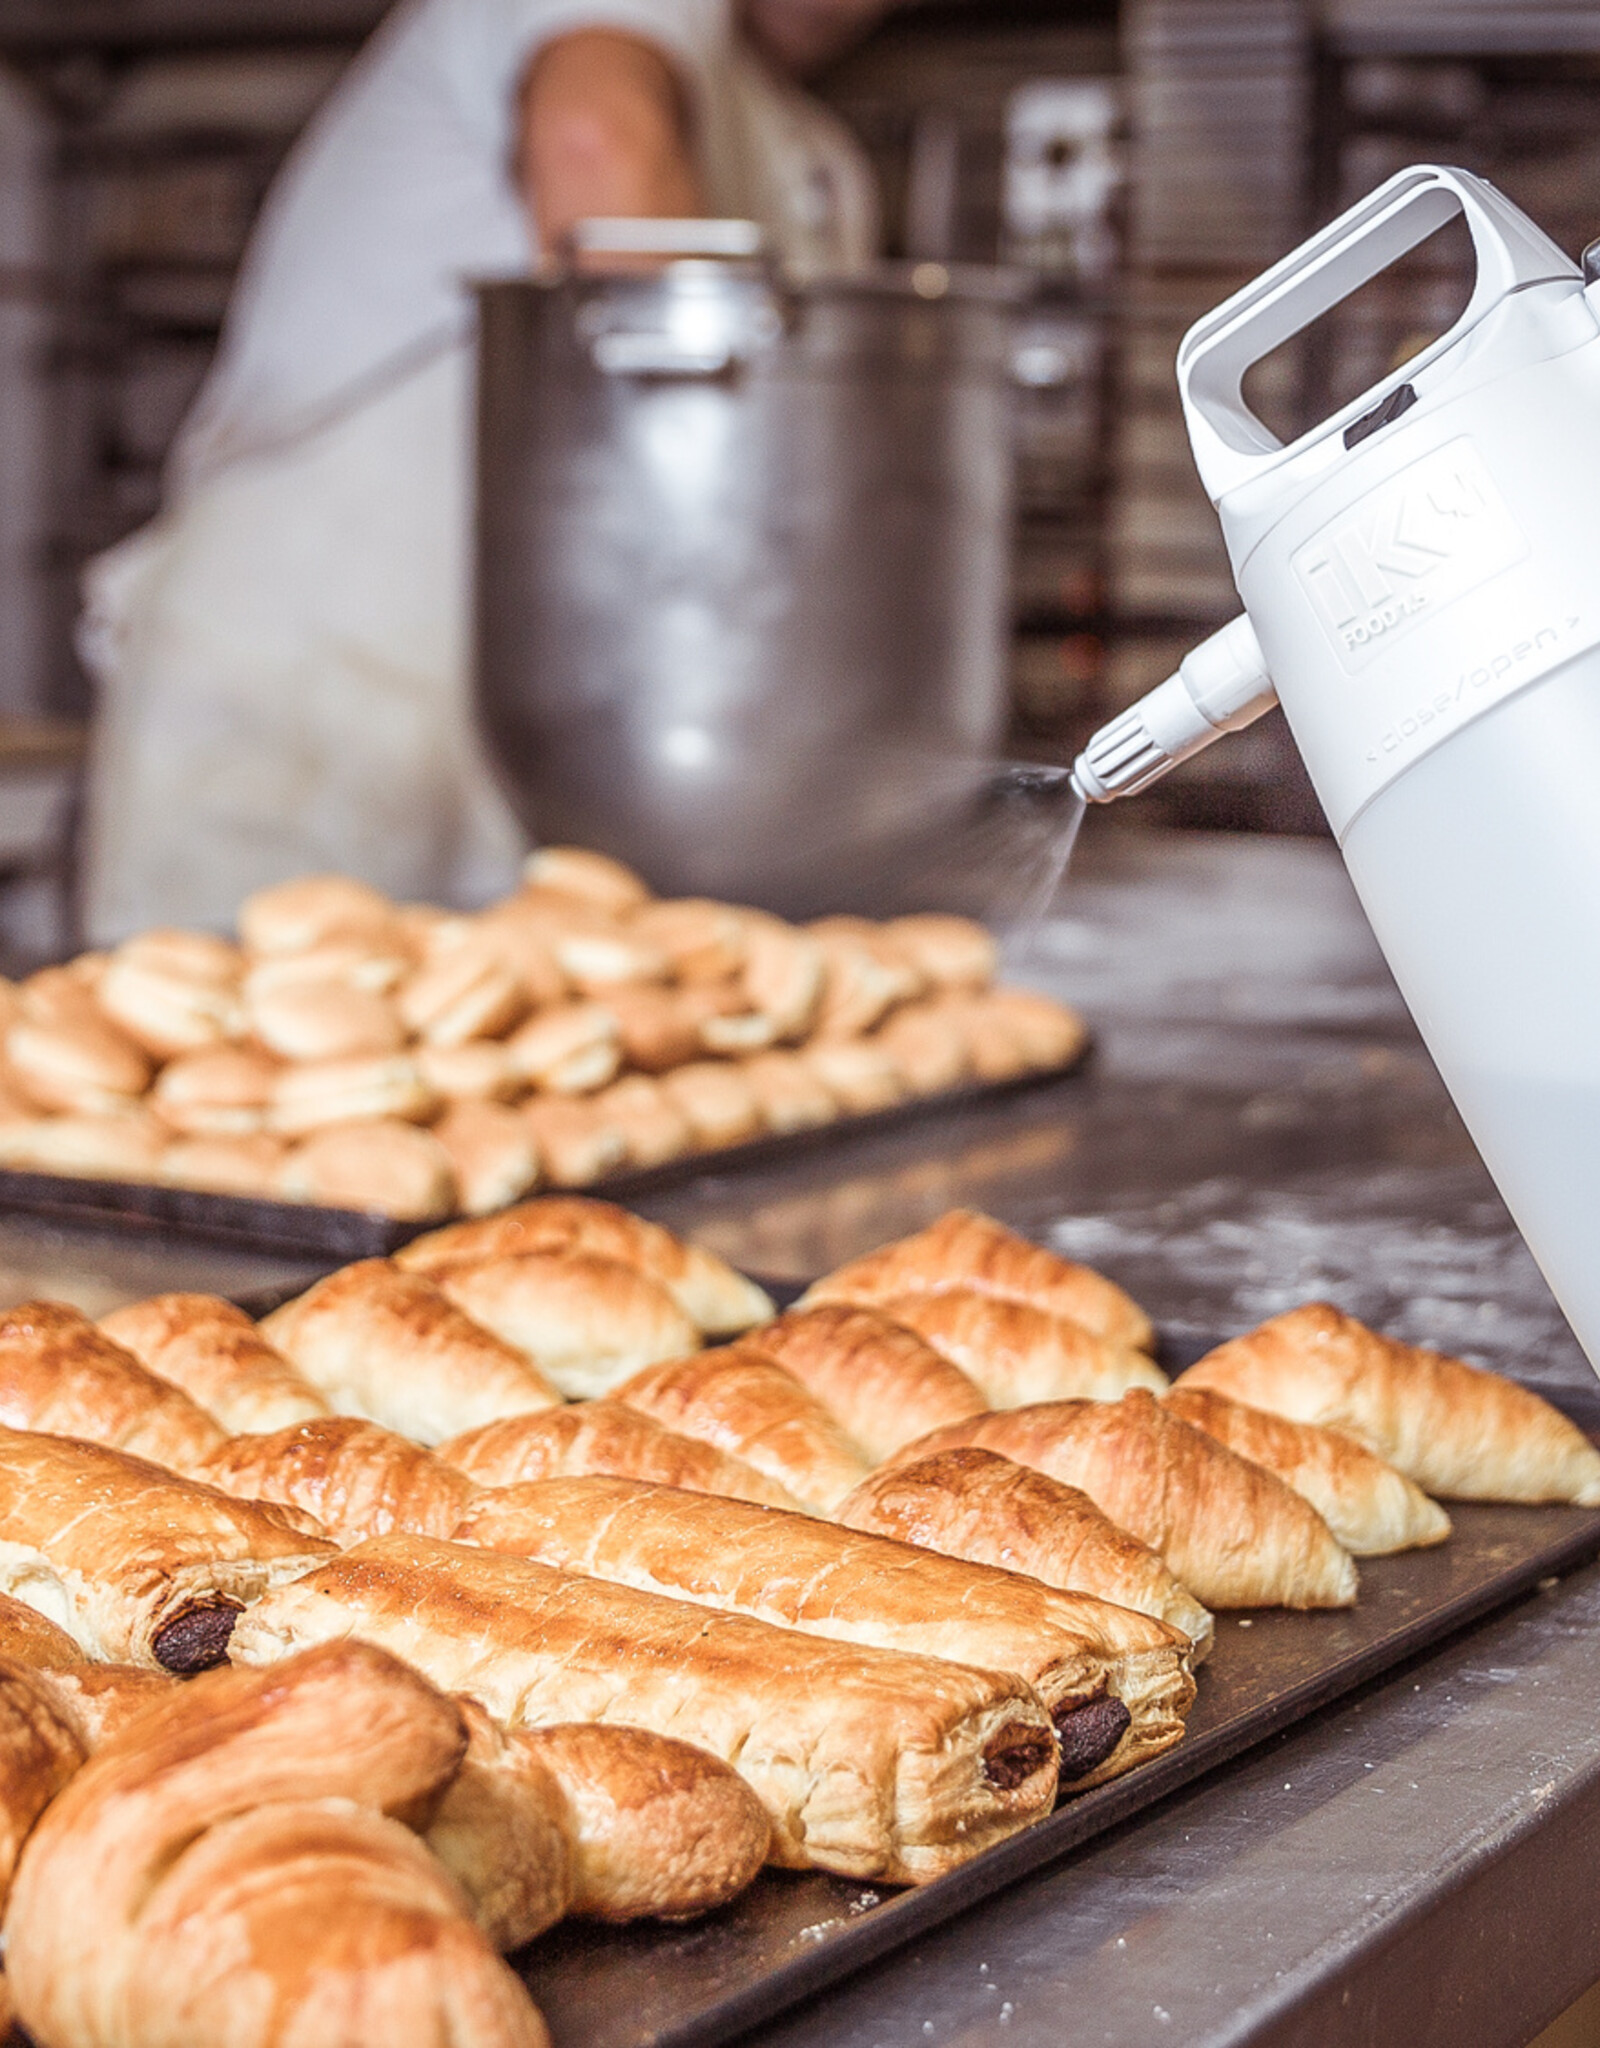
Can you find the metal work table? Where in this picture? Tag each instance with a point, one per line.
(1260, 1127)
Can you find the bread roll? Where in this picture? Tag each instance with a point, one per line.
(578, 1142)
(656, 1129)
(951, 952)
(928, 1047)
(977, 1505)
(316, 1093)
(1050, 1034)
(718, 1102)
(223, 1092)
(325, 1020)
(250, 1166)
(291, 917)
(717, 1298)
(491, 1152)
(860, 984)
(173, 992)
(391, 1348)
(585, 1321)
(592, 878)
(1116, 1684)
(380, 1166)
(657, 1028)
(782, 973)
(869, 1763)
(60, 1374)
(739, 1401)
(79, 1065)
(376, 962)
(1372, 1509)
(701, 940)
(356, 1479)
(137, 1564)
(790, 1095)
(479, 1071)
(971, 1251)
(605, 1437)
(569, 1049)
(215, 1353)
(128, 1146)
(1233, 1533)
(247, 1880)
(883, 1383)
(464, 993)
(1019, 1354)
(858, 1073)
(1453, 1428)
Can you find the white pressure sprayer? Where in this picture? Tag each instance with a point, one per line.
(1421, 580)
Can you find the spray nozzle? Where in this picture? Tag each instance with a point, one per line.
(1220, 686)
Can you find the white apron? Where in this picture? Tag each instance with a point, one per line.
(282, 658)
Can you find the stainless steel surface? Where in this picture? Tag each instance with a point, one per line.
(742, 564)
(1261, 1126)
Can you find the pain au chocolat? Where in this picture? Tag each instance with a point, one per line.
(869, 1763)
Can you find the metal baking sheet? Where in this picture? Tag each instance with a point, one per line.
(793, 1934)
(256, 1224)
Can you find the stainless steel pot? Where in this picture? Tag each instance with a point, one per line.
(742, 563)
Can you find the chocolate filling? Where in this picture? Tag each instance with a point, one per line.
(196, 1637)
(1014, 1755)
(1088, 1735)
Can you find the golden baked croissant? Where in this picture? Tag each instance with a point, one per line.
(1116, 1684)
(503, 1833)
(715, 1297)
(95, 1699)
(392, 1348)
(868, 1762)
(40, 1751)
(1453, 1428)
(742, 1402)
(1234, 1534)
(1372, 1509)
(215, 1353)
(60, 1374)
(141, 1566)
(604, 1437)
(883, 1383)
(657, 1829)
(969, 1250)
(990, 1510)
(584, 1320)
(1019, 1354)
(234, 1868)
(356, 1479)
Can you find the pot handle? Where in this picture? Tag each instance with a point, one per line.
(696, 322)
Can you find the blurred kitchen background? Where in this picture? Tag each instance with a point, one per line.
(1141, 161)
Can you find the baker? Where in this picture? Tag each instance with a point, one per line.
(282, 655)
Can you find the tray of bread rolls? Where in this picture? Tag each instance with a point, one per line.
(541, 1634)
(345, 1069)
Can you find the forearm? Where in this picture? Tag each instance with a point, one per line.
(605, 132)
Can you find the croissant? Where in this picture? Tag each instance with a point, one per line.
(965, 1249)
(503, 1833)
(40, 1751)
(586, 1321)
(95, 1700)
(657, 1829)
(215, 1353)
(58, 1373)
(741, 1402)
(141, 1566)
(234, 1868)
(1018, 1354)
(1454, 1429)
(390, 1347)
(1234, 1534)
(869, 1763)
(1116, 1683)
(990, 1510)
(717, 1299)
(604, 1437)
(1372, 1509)
(883, 1383)
(357, 1479)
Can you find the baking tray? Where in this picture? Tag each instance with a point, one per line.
(256, 1224)
(794, 1934)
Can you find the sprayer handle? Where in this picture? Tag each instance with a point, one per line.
(1220, 686)
(1230, 443)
